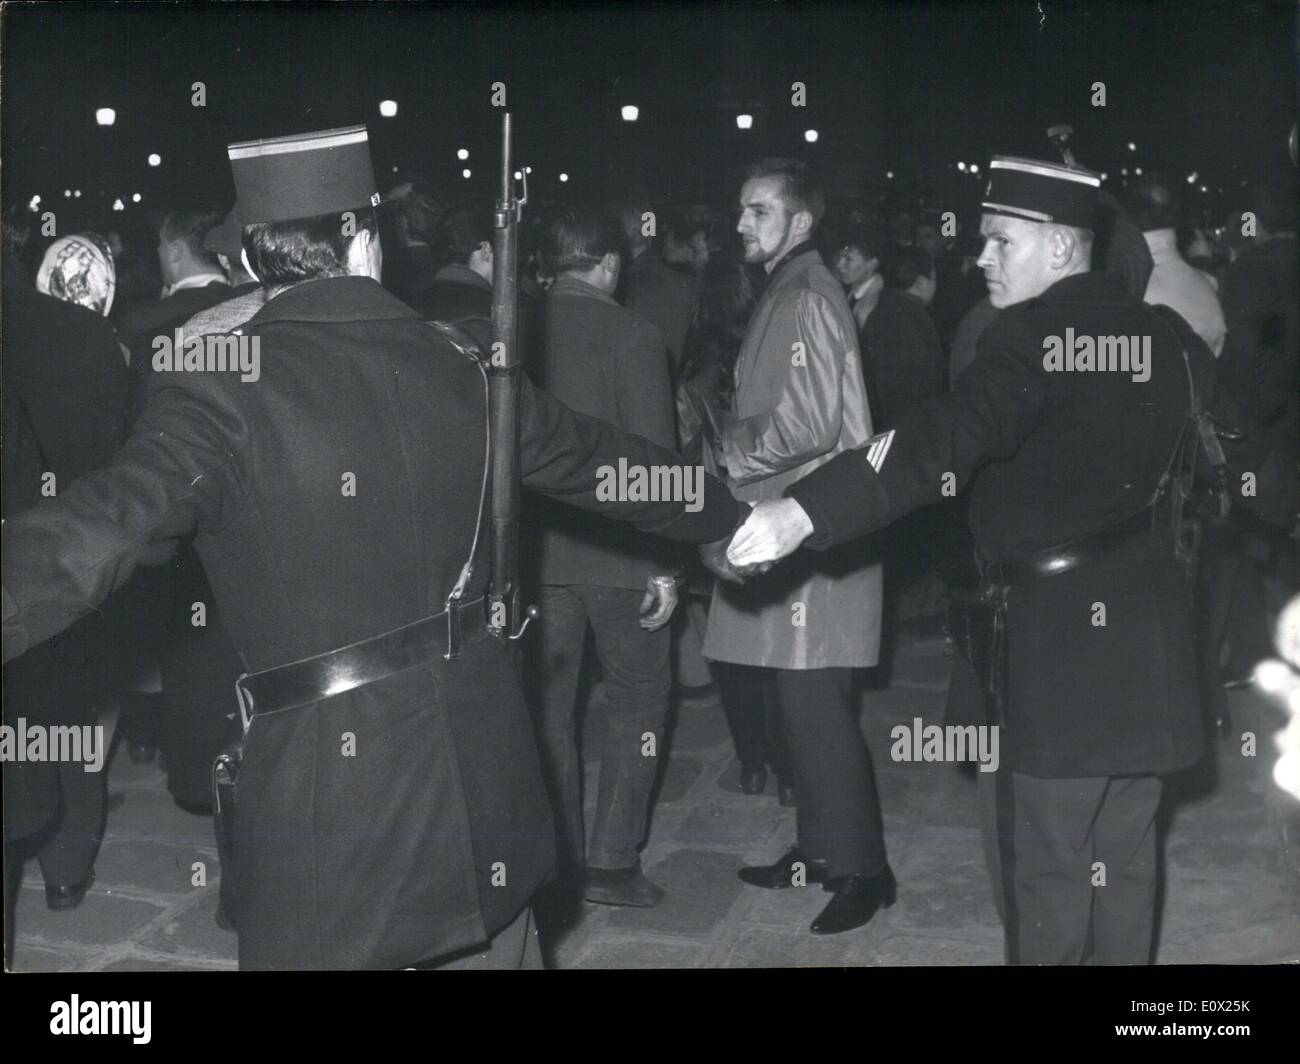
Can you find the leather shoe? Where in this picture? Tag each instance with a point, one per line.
(781, 875)
(61, 898)
(785, 793)
(855, 902)
(753, 778)
(621, 886)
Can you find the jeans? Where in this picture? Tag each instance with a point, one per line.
(635, 664)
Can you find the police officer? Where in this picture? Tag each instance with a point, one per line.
(1063, 460)
(391, 808)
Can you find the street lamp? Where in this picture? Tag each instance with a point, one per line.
(631, 112)
(388, 108)
(744, 121)
(135, 197)
(466, 173)
(564, 178)
(810, 135)
(105, 116)
(462, 154)
(155, 159)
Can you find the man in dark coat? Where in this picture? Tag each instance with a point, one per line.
(391, 808)
(1100, 689)
(64, 415)
(660, 294)
(605, 361)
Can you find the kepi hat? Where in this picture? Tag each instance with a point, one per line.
(1040, 191)
(303, 175)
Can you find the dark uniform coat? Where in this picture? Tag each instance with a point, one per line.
(335, 499)
(1055, 456)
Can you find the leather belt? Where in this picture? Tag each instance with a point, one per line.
(346, 668)
(1062, 559)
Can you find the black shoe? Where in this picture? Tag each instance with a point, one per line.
(782, 874)
(753, 778)
(60, 898)
(785, 793)
(856, 900)
(621, 886)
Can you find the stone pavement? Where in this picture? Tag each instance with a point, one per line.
(1232, 891)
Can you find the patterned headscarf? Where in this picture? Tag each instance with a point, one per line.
(79, 269)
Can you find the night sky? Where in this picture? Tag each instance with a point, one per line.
(908, 88)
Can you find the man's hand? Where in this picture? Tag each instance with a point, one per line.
(774, 529)
(659, 602)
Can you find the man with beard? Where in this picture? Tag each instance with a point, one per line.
(799, 400)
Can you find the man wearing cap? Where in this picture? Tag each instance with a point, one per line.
(391, 810)
(1097, 700)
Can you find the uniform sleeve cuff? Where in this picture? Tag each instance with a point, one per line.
(842, 498)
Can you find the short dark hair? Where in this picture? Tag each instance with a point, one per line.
(462, 231)
(909, 264)
(867, 237)
(579, 235)
(1152, 204)
(303, 249)
(800, 190)
(189, 226)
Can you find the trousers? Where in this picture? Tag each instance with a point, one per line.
(1073, 864)
(636, 670)
(839, 817)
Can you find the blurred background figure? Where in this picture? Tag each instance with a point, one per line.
(410, 233)
(648, 286)
(1153, 207)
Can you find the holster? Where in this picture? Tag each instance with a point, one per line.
(977, 623)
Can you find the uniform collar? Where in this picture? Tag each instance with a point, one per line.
(1092, 286)
(333, 299)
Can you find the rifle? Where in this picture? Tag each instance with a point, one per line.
(503, 370)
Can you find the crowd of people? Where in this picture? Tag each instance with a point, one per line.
(677, 324)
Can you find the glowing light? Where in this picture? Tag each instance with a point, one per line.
(388, 108)
(1191, 178)
(1124, 171)
(155, 159)
(811, 135)
(1105, 176)
(118, 205)
(564, 178)
(1132, 146)
(961, 167)
(33, 203)
(67, 193)
(528, 169)
(462, 154)
(974, 168)
(105, 116)
(889, 175)
(466, 173)
(135, 197)
(518, 176)
(1205, 188)
(631, 112)
(1138, 170)
(744, 121)
(76, 193)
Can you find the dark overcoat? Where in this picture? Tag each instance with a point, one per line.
(1051, 457)
(336, 498)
